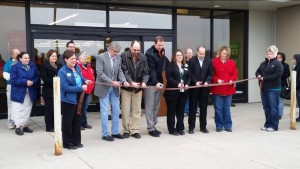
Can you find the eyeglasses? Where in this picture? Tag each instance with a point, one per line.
(115, 51)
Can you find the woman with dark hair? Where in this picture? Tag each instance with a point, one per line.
(72, 84)
(284, 80)
(49, 70)
(178, 76)
(23, 78)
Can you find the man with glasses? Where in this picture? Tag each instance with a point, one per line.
(157, 62)
(69, 46)
(109, 78)
(6, 75)
(135, 68)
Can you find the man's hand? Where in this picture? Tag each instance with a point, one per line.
(135, 85)
(116, 83)
(143, 85)
(180, 85)
(205, 84)
(159, 86)
(126, 84)
(198, 83)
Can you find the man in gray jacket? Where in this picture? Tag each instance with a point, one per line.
(109, 78)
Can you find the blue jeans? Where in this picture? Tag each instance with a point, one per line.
(186, 107)
(281, 106)
(270, 101)
(222, 111)
(85, 105)
(114, 100)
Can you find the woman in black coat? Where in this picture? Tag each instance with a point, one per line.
(49, 70)
(284, 79)
(178, 76)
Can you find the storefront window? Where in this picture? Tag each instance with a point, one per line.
(193, 29)
(140, 17)
(68, 14)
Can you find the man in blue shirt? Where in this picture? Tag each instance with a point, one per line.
(6, 75)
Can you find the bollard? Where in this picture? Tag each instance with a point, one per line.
(293, 101)
(57, 116)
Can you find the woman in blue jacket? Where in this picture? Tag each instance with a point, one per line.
(72, 84)
(23, 77)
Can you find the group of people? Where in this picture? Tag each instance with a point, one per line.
(125, 78)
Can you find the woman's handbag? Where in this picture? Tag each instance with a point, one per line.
(286, 91)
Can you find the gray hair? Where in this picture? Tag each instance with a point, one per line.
(114, 45)
(82, 53)
(273, 49)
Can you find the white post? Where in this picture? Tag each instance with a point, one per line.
(293, 101)
(57, 116)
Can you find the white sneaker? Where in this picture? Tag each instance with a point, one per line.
(270, 129)
(264, 128)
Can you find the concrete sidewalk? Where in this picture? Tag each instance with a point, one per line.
(247, 147)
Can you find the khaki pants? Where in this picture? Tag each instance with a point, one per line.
(131, 105)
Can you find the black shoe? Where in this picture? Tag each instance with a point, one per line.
(136, 135)
(120, 116)
(219, 130)
(109, 117)
(71, 148)
(118, 136)
(88, 126)
(279, 117)
(158, 132)
(181, 132)
(204, 130)
(154, 134)
(298, 119)
(82, 128)
(191, 131)
(125, 135)
(19, 132)
(79, 145)
(27, 130)
(228, 130)
(174, 133)
(107, 138)
(51, 130)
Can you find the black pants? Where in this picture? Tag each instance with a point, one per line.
(202, 100)
(49, 114)
(70, 125)
(176, 108)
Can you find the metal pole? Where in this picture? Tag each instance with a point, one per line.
(293, 101)
(57, 116)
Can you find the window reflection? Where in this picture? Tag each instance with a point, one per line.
(154, 18)
(70, 14)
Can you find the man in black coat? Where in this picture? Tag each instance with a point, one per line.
(201, 74)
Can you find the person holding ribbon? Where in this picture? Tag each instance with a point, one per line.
(72, 84)
(225, 71)
(178, 76)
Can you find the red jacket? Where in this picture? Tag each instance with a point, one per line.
(88, 74)
(224, 71)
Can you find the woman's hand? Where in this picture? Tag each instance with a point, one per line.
(84, 87)
(29, 83)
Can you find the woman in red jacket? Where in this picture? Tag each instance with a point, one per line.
(224, 72)
(88, 74)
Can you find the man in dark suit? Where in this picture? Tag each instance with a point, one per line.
(109, 71)
(201, 75)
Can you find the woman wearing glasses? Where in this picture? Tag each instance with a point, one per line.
(178, 76)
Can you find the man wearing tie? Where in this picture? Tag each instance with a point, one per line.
(201, 74)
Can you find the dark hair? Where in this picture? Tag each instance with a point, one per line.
(49, 53)
(283, 56)
(20, 56)
(174, 57)
(158, 38)
(67, 45)
(135, 41)
(67, 54)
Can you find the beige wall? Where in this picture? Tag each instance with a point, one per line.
(288, 31)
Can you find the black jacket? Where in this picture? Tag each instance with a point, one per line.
(134, 72)
(203, 74)
(157, 63)
(47, 74)
(173, 79)
(285, 75)
(271, 71)
(297, 69)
